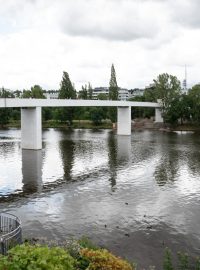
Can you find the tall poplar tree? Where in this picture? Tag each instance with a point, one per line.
(113, 94)
(113, 87)
(67, 91)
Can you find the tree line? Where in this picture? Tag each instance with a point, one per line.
(65, 114)
(176, 107)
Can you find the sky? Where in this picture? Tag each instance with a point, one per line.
(39, 39)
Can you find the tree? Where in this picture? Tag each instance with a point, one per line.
(37, 92)
(194, 95)
(167, 88)
(90, 91)
(5, 112)
(83, 94)
(67, 91)
(113, 87)
(113, 94)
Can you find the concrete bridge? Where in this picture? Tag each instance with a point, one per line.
(31, 120)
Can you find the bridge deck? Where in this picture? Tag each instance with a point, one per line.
(19, 103)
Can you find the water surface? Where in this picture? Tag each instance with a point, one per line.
(133, 195)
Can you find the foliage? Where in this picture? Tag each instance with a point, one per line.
(103, 260)
(86, 92)
(5, 113)
(83, 94)
(67, 90)
(97, 114)
(194, 95)
(35, 92)
(113, 94)
(183, 261)
(167, 88)
(37, 257)
(85, 242)
(90, 91)
(167, 265)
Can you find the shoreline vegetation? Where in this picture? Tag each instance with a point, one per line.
(137, 124)
(82, 254)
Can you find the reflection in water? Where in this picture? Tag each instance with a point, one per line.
(112, 156)
(67, 155)
(31, 170)
(168, 168)
(123, 148)
(142, 217)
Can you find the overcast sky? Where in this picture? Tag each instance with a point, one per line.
(39, 39)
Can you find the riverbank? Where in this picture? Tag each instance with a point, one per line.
(81, 124)
(138, 124)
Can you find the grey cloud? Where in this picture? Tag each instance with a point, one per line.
(123, 21)
(186, 13)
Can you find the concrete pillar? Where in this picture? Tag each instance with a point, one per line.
(124, 120)
(31, 128)
(158, 116)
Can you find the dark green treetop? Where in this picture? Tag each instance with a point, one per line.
(167, 88)
(67, 90)
(113, 87)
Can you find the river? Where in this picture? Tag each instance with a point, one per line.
(134, 195)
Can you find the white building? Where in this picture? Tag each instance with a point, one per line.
(51, 94)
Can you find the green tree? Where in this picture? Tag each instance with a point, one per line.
(37, 92)
(113, 94)
(167, 88)
(26, 94)
(194, 95)
(113, 87)
(67, 91)
(90, 91)
(83, 94)
(5, 112)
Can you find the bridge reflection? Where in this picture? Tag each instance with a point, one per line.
(31, 171)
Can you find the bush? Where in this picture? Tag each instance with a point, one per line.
(37, 257)
(103, 260)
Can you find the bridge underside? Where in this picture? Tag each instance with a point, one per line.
(31, 125)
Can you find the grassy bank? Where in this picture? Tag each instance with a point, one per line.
(82, 124)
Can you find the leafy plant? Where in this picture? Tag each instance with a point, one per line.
(37, 257)
(183, 261)
(103, 260)
(167, 265)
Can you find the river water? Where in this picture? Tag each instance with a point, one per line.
(133, 195)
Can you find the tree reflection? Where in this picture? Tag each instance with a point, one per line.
(112, 159)
(67, 155)
(167, 169)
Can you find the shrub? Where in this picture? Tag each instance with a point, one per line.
(103, 260)
(37, 257)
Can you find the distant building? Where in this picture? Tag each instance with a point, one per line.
(123, 94)
(136, 92)
(51, 94)
(100, 90)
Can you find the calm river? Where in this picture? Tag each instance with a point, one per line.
(133, 195)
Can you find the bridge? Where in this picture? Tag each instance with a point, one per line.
(31, 120)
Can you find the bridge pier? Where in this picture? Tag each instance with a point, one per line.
(158, 116)
(124, 120)
(31, 128)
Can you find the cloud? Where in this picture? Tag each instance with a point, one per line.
(186, 12)
(122, 20)
(143, 38)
